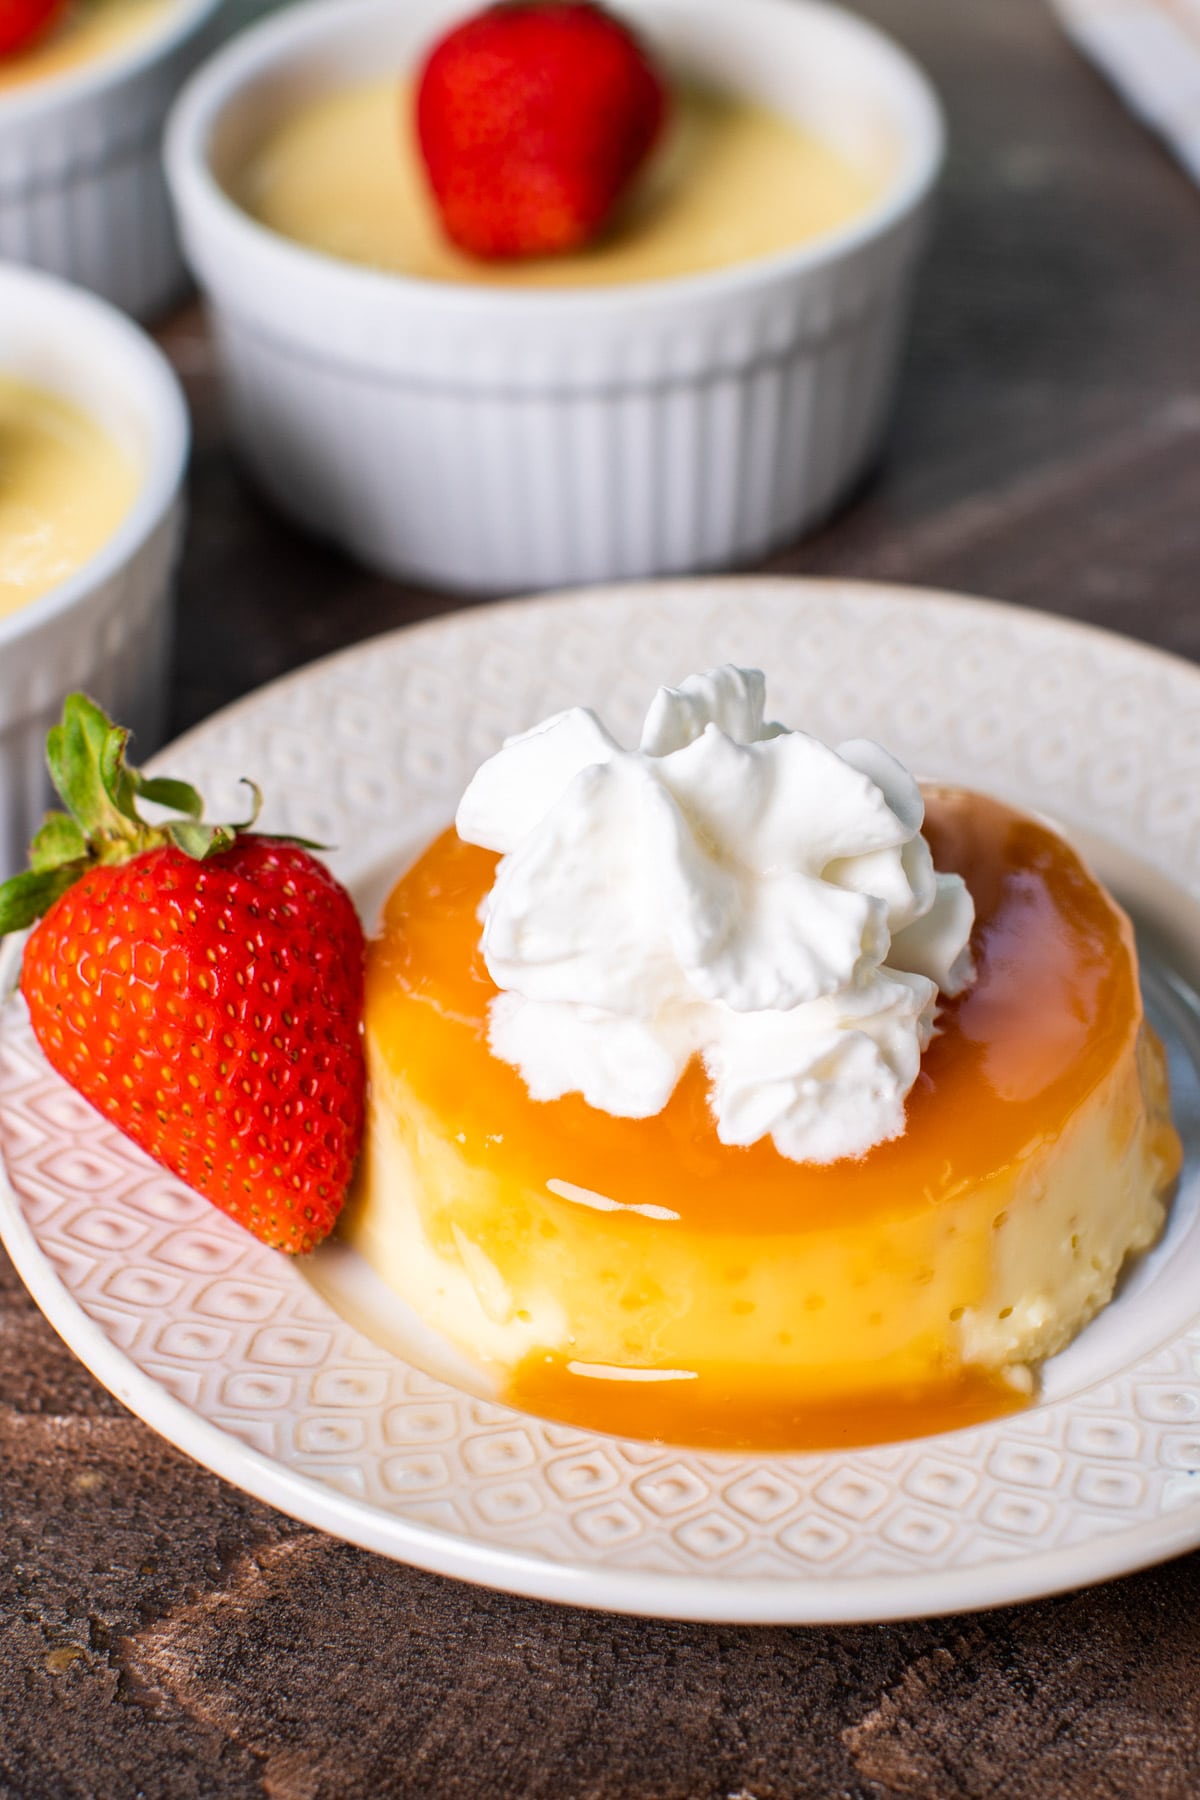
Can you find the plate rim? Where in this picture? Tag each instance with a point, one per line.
(864, 589)
(773, 1600)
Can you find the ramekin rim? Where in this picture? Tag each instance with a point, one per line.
(45, 94)
(195, 189)
(163, 479)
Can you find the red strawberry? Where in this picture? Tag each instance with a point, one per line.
(533, 118)
(22, 21)
(202, 987)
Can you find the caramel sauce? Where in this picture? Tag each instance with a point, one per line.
(1054, 1009)
(705, 1414)
(1054, 1003)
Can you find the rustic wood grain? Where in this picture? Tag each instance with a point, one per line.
(165, 1636)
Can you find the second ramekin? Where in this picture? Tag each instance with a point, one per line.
(490, 439)
(107, 628)
(82, 193)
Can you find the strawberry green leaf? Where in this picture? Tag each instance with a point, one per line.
(56, 756)
(78, 752)
(25, 898)
(76, 780)
(114, 776)
(59, 841)
(200, 841)
(90, 721)
(162, 791)
(256, 806)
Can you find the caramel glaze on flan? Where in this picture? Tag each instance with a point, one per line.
(639, 1277)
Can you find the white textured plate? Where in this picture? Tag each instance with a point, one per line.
(226, 1349)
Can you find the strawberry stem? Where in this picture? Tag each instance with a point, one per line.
(102, 826)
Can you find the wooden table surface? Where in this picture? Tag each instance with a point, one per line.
(165, 1636)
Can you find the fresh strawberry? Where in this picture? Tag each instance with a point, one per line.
(201, 986)
(23, 21)
(533, 118)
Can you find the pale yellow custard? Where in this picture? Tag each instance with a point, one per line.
(732, 181)
(65, 487)
(87, 31)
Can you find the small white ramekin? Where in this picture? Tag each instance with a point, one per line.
(82, 193)
(107, 629)
(494, 439)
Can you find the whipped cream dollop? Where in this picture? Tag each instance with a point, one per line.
(730, 890)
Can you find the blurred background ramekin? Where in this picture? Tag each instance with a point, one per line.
(107, 629)
(82, 193)
(486, 439)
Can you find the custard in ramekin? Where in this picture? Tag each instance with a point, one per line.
(486, 434)
(85, 392)
(82, 192)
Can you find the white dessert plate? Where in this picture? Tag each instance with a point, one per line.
(233, 1354)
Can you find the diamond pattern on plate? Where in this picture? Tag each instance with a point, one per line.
(1090, 728)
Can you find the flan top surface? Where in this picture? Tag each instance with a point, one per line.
(1055, 1006)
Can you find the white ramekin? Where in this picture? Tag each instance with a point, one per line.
(107, 629)
(490, 439)
(82, 193)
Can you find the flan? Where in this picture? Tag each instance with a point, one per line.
(641, 1277)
